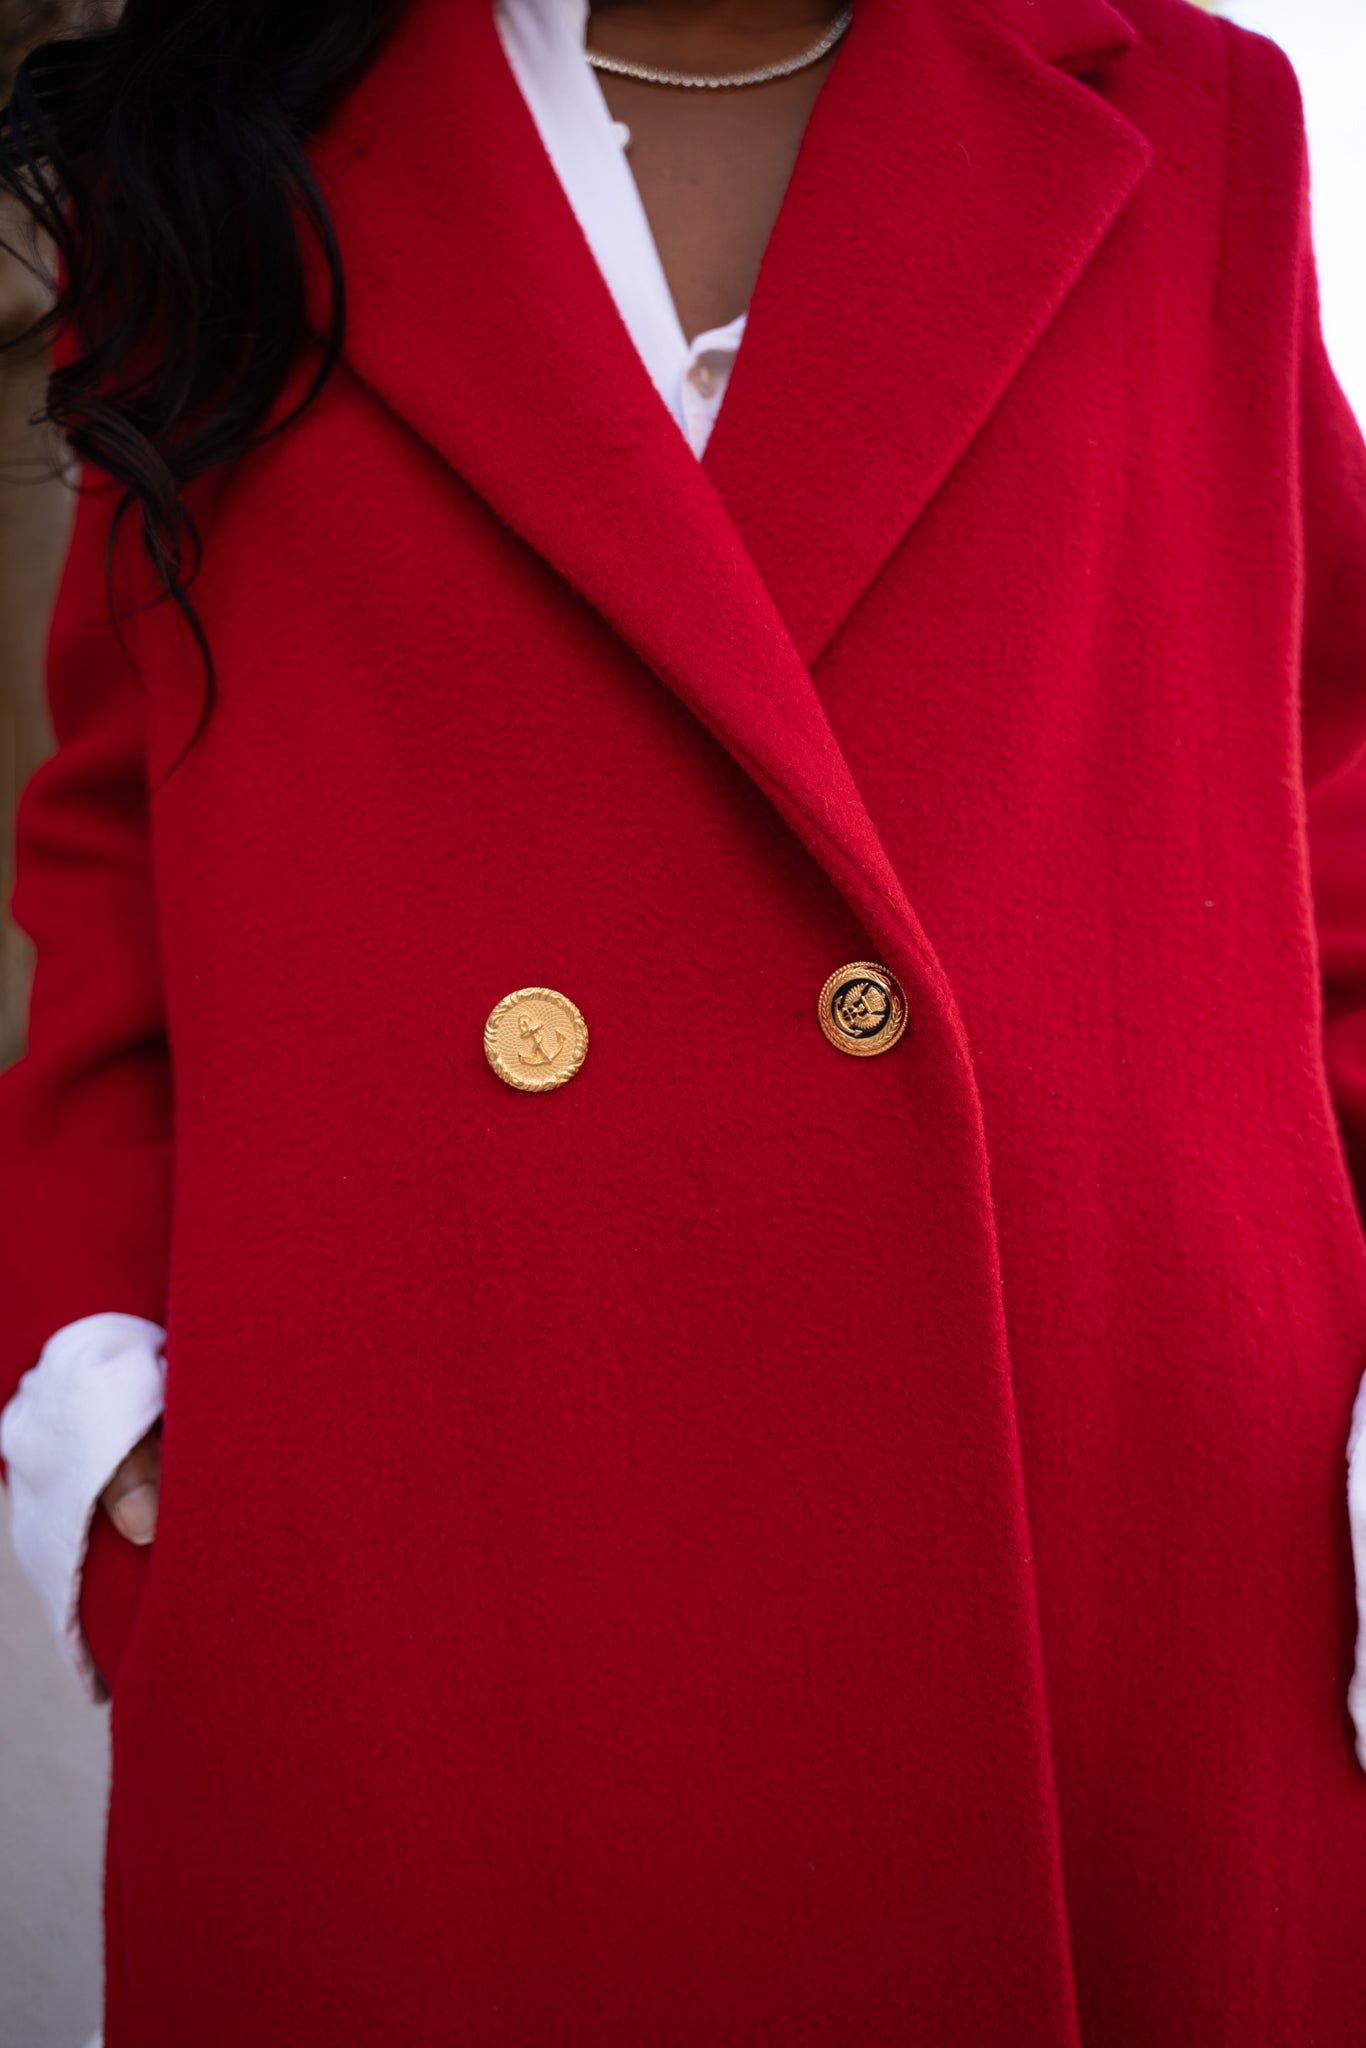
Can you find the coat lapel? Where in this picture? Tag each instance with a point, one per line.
(476, 312)
(953, 183)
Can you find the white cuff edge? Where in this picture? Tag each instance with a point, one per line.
(96, 1390)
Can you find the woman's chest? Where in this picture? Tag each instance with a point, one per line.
(1057, 668)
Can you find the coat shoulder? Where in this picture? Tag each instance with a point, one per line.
(1186, 54)
(1222, 109)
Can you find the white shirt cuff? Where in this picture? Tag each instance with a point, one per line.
(1356, 1511)
(96, 1390)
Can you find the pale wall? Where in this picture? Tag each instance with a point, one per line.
(53, 1767)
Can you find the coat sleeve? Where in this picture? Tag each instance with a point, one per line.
(85, 1114)
(1333, 704)
(1333, 700)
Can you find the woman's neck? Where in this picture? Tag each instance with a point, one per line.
(711, 167)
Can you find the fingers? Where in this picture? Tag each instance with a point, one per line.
(130, 1499)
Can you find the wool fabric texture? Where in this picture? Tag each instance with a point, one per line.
(754, 1545)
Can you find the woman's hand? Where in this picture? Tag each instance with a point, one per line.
(130, 1499)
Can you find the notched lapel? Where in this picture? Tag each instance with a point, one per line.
(955, 180)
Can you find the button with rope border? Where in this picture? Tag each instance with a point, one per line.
(862, 1009)
(535, 1039)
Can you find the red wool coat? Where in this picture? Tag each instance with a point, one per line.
(753, 1545)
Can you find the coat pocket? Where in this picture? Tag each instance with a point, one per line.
(113, 1588)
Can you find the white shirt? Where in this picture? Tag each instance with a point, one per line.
(96, 1387)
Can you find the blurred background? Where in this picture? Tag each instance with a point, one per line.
(1325, 40)
(52, 1745)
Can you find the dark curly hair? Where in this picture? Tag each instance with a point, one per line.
(161, 153)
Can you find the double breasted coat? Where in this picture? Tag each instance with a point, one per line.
(752, 1545)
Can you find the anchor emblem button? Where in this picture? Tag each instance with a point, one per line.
(535, 1039)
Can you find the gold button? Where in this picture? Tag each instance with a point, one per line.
(862, 1009)
(535, 1039)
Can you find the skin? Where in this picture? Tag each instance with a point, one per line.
(711, 169)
